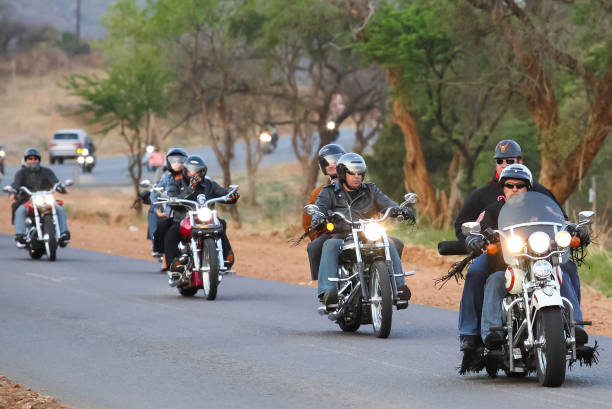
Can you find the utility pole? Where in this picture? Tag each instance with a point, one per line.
(78, 20)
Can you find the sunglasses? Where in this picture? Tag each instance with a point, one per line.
(176, 159)
(511, 186)
(32, 158)
(355, 173)
(508, 161)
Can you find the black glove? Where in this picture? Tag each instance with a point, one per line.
(315, 224)
(474, 244)
(581, 232)
(233, 198)
(61, 188)
(405, 213)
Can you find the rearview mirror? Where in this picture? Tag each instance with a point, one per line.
(411, 198)
(311, 209)
(7, 188)
(145, 183)
(68, 182)
(470, 227)
(201, 198)
(585, 216)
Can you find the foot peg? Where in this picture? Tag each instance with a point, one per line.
(583, 322)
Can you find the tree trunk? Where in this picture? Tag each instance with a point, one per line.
(416, 177)
(455, 175)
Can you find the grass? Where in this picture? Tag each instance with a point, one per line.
(596, 271)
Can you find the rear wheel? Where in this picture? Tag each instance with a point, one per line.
(51, 244)
(550, 346)
(210, 278)
(381, 300)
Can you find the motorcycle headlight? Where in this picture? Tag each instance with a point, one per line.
(38, 200)
(515, 244)
(539, 242)
(265, 137)
(81, 160)
(542, 269)
(2, 153)
(85, 151)
(563, 239)
(204, 215)
(373, 231)
(49, 199)
(89, 159)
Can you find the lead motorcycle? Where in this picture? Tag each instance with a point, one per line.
(86, 160)
(367, 289)
(534, 240)
(202, 264)
(42, 227)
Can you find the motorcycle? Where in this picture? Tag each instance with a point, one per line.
(202, 264)
(42, 227)
(534, 241)
(268, 141)
(86, 160)
(367, 289)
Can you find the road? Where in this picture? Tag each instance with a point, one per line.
(103, 331)
(113, 171)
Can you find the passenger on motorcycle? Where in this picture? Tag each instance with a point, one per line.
(35, 178)
(514, 180)
(355, 199)
(507, 152)
(171, 182)
(195, 182)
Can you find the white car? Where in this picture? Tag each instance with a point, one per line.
(66, 143)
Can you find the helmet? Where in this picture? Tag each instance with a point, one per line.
(180, 152)
(507, 149)
(350, 162)
(516, 171)
(196, 164)
(329, 154)
(31, 152)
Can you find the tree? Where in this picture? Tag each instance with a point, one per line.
(565, 51)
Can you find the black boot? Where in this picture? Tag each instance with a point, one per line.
(64, 239)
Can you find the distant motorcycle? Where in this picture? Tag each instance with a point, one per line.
(268, 141)
(86, 160)
(42, 227)
(367, 289)
(201, 262)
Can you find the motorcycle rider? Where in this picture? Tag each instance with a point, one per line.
(328, 158)
(193, 183)
(507, 152)
(355, 199)
(514, 179)
(35, 178)
(171, 184)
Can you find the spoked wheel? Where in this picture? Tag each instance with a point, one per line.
(550, 346)
(51, 244)
(351, 321)
(381, 299)
(210, 278)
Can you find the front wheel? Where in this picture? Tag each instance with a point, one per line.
(351, 319)
(381, 299)
(550, 346)
(210, 278)
(51, 244)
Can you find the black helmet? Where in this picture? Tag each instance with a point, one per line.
(516, 171)
(196, 164)
(350, 162)
(329, 154)
(507, 149)
(31, 152)
(179, 152)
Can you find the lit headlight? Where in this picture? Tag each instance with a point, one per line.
(539, 242)
(38, 200)
(89, 159)
(49, 199)
(265, 137)
(81, 160)
(515, 244)
(85, 151)
(542, 269)
(2, 153)
(204, 214)
(373, 231)
(563, 239)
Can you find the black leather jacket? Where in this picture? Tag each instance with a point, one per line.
(35, 179)
(368, 202)
(208, 187)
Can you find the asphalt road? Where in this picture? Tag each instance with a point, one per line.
(113, 171)
(102, 331)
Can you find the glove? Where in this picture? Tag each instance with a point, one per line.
(474, 244)
(581, 232)
(233, 198)
(405, 213)
(316, 223)
(61, 188)
(194, 181)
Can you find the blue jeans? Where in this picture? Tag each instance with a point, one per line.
(329, 264)
(470, 309)
(21, 213)
(495, 292)
(152, 223)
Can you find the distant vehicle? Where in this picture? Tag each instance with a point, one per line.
(2, 155)
(153, 159)
(66, 143)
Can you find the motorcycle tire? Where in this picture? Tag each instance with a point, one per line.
(188, 292)
(381, 304)
(51, 245)
(551, 354)
(352, 323)
(210, 279)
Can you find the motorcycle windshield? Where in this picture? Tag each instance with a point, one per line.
(527, 213)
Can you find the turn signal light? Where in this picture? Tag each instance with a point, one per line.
(492, 249)
(330, 227)
(575, 241)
